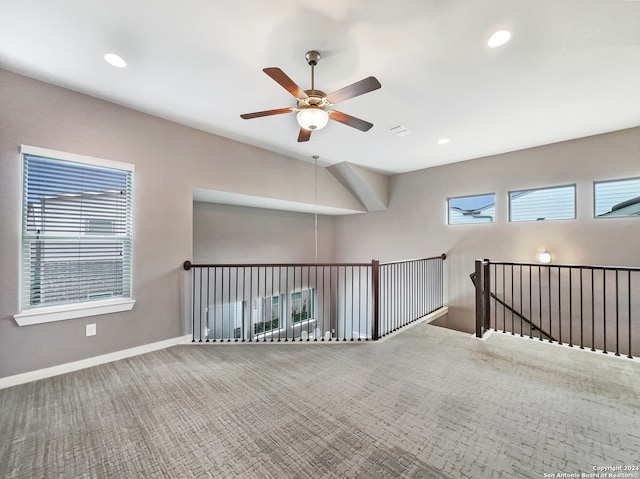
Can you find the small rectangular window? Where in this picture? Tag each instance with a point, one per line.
(268, 315)
(77, 229)
(471, 209)
(303, 305)
(555, 203)
(617, 198)
(225, 321)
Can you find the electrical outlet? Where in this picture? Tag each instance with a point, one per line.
(91, 329)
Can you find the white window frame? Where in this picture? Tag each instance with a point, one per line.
(257, 318)
(46, 314)
(311, 315)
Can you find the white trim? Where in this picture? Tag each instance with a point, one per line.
(487, 334)
(23, 378)
(575, 347)
(72, 311)
(88, 160)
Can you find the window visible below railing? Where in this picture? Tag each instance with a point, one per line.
(311, 302)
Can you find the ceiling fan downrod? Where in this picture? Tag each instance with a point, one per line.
(312, 57)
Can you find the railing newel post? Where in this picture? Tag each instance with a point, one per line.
(476, 277)
(487, 294)
(375, 285)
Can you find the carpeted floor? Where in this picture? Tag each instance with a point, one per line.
(426, 403)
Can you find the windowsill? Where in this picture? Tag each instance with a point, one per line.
(72, 311)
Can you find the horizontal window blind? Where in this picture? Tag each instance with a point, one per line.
(556, 203)
(77, 232)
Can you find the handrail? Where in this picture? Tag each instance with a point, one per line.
(187, 265)
(355, 300)
(516, 312)
(443, 257)
(590, 306)
(576, 266)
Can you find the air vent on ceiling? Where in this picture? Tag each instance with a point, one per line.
(400, 130)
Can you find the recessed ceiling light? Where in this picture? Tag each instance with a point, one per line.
(115, 60)
(443, 141)
(499, 38)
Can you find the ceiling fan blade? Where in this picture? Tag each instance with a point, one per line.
(258, 114)
(304, 135)
(355, 89)
(350, 120)
(285, 82)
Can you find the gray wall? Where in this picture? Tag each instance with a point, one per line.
(170, 161)
(414, 225)
(220, 232)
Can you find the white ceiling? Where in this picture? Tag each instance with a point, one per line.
(572, 68)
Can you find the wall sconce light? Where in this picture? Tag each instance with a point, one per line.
(545, 256)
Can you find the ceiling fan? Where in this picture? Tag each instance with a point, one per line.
(313, 111)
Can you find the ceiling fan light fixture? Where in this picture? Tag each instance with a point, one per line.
(312, 118)
(499, 38)
(115, 60)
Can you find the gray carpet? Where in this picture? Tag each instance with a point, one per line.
(426, 403)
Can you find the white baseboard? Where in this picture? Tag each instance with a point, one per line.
(23, 378)
(425, 319)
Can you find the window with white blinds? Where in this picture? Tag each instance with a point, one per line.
(77, 230)
(617, 198)
(555, 203)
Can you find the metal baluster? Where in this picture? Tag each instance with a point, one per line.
(193, 305)
(207, 308)
(521, 303)
(559, 306)
(273, 278)
(581, 310)
(604, 311)
(344, 295)
(617, 319)
(366, 306)
(359, 302)
(352, 303)
(530, 304)
(512, 302)
(215, 301)
(570, 308)
(316, 309)
(332, 302)
(549, 288)
(285, 307)
(200, 304)
(280, 313)
(309, 294)
(235, 321)
(251, 318)
(629, 355)
(540, 301)
(593, 315)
